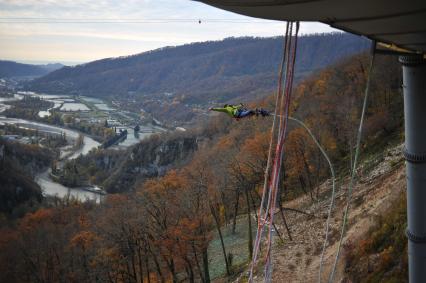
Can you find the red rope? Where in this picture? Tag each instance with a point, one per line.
(262, 213)
(280, 153)
(283, 99)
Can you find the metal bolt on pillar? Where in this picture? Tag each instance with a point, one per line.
(414, 87)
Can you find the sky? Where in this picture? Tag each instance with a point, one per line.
(77, 31)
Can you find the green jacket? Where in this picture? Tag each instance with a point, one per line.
(231, 110)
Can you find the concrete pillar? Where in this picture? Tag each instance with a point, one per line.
(414, 77)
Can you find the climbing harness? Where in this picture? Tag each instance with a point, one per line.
(270, 188)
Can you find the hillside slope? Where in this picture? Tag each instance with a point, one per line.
(298, 259)
(18, 164)
(181, 189)
(218, 70)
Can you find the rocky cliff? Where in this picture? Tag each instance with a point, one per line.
(120, 171)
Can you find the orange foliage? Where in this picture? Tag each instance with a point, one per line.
(33, 220)
(83, 239)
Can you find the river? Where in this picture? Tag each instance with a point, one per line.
(89, 143)
(48, 186)
(52, 188)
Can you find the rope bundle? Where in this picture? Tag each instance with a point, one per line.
(272, 177)
(270, 187)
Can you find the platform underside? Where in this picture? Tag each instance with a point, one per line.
(397, 22)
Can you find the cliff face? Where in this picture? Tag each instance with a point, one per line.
(161, 155)
(121, 171)
(149, 159)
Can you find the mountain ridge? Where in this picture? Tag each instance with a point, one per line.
(203, 71)
(10, 69)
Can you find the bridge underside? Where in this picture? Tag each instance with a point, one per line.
(396, 22)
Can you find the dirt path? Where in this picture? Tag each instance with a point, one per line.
(298, 260)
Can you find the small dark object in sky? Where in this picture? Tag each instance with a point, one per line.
(199, 21)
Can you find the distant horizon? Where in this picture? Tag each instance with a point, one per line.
(45, 62)
(83, 31)
(74, 63)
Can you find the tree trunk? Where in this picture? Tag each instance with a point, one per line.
(140, 264)
(134, 268)
(308, 175)
(302, 184)
(284, 220)
(234, 223)
(216, 220)
(189, 270)
(253, 203)
(157, 266)
(275, 227)
(223, 199)
(250, 236)
(171, 265)
(280, 204)
(147, 266)
(319, 163)
(206, 266)
(197, 262)
(129, 272)
(351, 155)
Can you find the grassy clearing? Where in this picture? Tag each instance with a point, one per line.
(236, 244)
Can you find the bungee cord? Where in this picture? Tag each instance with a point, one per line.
(284, 101)
(280, 150)
(268, 165)
(352, 180)
(270, 188)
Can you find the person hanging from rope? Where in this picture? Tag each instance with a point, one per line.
(239, 111)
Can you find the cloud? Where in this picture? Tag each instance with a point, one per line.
(74, 41)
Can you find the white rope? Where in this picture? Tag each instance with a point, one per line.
(333, 192)
(353, 173)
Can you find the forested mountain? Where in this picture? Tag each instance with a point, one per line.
(10, 69)
(185, 192)
(322, 100)
(200, 72)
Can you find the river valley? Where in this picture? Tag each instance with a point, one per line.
(43, 179)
